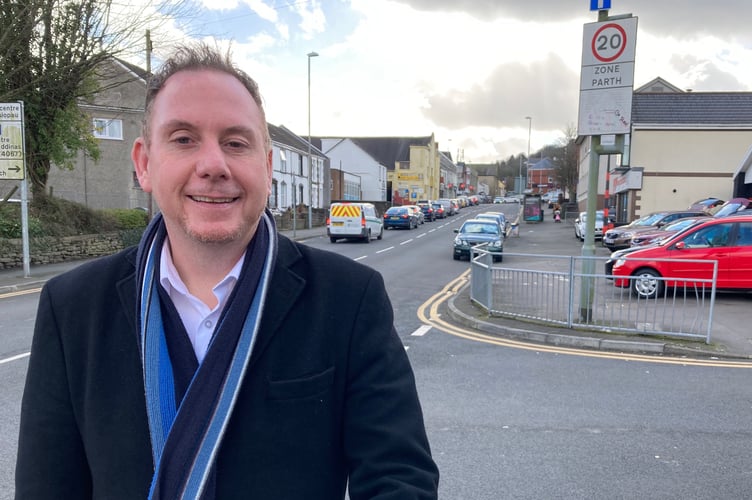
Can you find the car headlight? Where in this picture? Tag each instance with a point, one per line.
(620, 262)
(496, 244)
(459, 241)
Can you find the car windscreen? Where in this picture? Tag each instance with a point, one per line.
(480, 228)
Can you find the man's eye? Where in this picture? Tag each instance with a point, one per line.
(182, 140)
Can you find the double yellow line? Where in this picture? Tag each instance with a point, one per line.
(429, 314)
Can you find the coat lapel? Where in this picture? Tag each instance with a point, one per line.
(284, 291)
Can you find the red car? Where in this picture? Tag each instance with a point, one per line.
(727, 240)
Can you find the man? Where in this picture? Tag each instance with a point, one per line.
(219, 359)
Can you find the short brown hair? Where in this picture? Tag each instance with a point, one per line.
(199, 57)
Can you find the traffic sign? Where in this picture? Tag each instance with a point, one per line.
(600, 4)
(607, 77)
(11, 141)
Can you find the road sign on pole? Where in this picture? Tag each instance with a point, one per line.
(600, 4)
(12, 141)
(607, 77)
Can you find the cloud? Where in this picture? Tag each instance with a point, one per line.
(688, 18)
(544, 89)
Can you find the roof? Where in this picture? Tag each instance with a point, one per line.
(693, 109)
(283, 135)
(389, 150)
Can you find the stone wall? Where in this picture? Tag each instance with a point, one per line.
(49, 250)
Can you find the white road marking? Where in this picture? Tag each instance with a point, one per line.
(14, 358)
(385, 250)
(421, 331)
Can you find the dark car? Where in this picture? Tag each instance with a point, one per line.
(621, 237)
(428, 211)
(475, 232)
(399, 217)
(438, 210)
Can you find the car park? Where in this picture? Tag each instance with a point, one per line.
(621, 237)
(428, 211)
(353, 221)
(474, 232)
(580, 223)
(689, 255)
(400, 217)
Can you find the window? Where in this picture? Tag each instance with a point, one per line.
(274, 195)
(106, 128)
(282, 161)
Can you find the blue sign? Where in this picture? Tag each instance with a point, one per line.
(600, 4)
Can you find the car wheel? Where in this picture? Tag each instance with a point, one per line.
(381, 233)
(333, 239)
(646, 284)
(455, 256)
(367, 239)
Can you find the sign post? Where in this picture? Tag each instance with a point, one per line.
(13, 164)
(606, 86)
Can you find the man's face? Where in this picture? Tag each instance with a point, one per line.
(205, 161)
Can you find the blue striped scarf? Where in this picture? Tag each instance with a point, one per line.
(186, 434)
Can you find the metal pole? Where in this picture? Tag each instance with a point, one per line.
(529, 132)
(588, 249)
(310, 166)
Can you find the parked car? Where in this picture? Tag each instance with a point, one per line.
(450, 206)
(621, 237)
(732, 206)
(473, 232)
(400, 217)
(727, 240)
(438, 210)
(353, 221)
(417, 211)
(649, 236)
(580, 223)
(428, 211)
(496, 216)
(706, 204)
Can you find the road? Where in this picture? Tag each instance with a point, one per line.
(517, 422)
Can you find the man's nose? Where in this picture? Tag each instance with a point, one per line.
(211, 161)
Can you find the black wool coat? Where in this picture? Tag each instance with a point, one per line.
(329, 396)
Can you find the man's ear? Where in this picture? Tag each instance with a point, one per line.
(140, 158)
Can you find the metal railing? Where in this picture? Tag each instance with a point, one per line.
(558, 290)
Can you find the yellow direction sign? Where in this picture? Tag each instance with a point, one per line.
(12, 141)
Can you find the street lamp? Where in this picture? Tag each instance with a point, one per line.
(527, 170)
(310, 166)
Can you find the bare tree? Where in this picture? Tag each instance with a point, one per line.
(49, 54)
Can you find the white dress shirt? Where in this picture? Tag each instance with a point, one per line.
(199, 321)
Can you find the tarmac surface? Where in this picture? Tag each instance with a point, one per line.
(731, 337)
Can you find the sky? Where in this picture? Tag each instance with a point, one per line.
(467, 71)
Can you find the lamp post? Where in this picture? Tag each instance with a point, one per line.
(529, 131)
(310, 166)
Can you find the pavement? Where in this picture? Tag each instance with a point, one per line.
(731, 339)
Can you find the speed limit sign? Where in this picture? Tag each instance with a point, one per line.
(609, 42)
(607, 77)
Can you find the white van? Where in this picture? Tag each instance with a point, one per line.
(354, 220)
